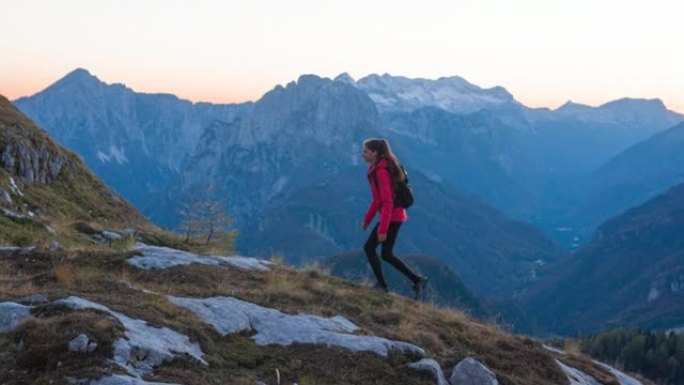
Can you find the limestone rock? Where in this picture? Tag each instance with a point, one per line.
(471, 372)
(272, 327)
(117, 379)
(54, 246)
(111, 236)
(144, 346)
(82, 344)
(576, 376)
(11, 314)
(154, 257)
(33, 299)
(5, 197)
(430, 365)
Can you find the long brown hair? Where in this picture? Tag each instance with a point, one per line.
(382, 148)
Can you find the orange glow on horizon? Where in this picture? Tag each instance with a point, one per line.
(15, 87)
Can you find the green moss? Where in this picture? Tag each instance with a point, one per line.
(222, 245)
(22, 232)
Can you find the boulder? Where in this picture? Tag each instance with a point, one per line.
(144, 346)
(430, 365)
(117, 379)
(111, 236)
(471, 372)
(576, 376)
(11, 314)
(156, 258)
(54, 246)
(5, 197)
(82, 344)
(33, 299)
(97, 237)
(231, 315)
(128, 232)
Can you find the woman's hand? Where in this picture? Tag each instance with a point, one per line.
(364, 226)
(382, 237)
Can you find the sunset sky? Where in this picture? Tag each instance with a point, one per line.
(543, 52)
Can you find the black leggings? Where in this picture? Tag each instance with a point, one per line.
(387, 255)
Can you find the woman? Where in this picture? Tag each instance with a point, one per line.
(383, 173)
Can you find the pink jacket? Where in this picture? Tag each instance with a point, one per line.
(383, 199)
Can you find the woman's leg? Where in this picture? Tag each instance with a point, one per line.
(388, 255)
(369, 248)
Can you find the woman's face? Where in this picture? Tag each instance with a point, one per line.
(369, 156)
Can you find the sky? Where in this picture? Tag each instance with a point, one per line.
(543, 52)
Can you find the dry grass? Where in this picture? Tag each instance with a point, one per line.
(40, 346)
(64, 275)
(588, 366)
(572, 347)
(446, 335)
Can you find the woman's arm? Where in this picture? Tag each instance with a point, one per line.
(370, 213)
(386, 202)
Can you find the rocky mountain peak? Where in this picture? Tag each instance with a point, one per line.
(650, 111)
(78, 79)
(636, 104)
(311, 109)
(625, 110)
(453, 94)
(345, 78)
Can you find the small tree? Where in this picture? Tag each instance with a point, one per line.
(191, 225)
(214, 219)
(207, 219)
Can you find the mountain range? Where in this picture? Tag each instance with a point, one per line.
(46, 192)
(630, 274)
(532, 164)
(486, 169)
(99, 305)
(135, 142)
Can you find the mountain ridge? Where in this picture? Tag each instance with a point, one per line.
(44, 186)
(635, 261)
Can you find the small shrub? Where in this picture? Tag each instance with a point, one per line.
(64, 275)
(86, 228)
(572, 346)
(123, 244)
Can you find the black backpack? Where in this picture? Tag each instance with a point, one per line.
(403, 194)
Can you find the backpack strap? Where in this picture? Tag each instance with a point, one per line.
(375, 177)
(405, 173)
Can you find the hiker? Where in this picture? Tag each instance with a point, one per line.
(384, 172)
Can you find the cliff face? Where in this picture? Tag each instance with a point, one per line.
(135, 142)
(44, 187)
(25, 150)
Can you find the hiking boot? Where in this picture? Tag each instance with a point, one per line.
(419, 286)
(380, 287)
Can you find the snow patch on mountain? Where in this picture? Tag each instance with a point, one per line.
(117, 154)
(454, 94)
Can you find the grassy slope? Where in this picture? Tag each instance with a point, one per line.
(447, 335)
(77, 203)
(76, 195)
